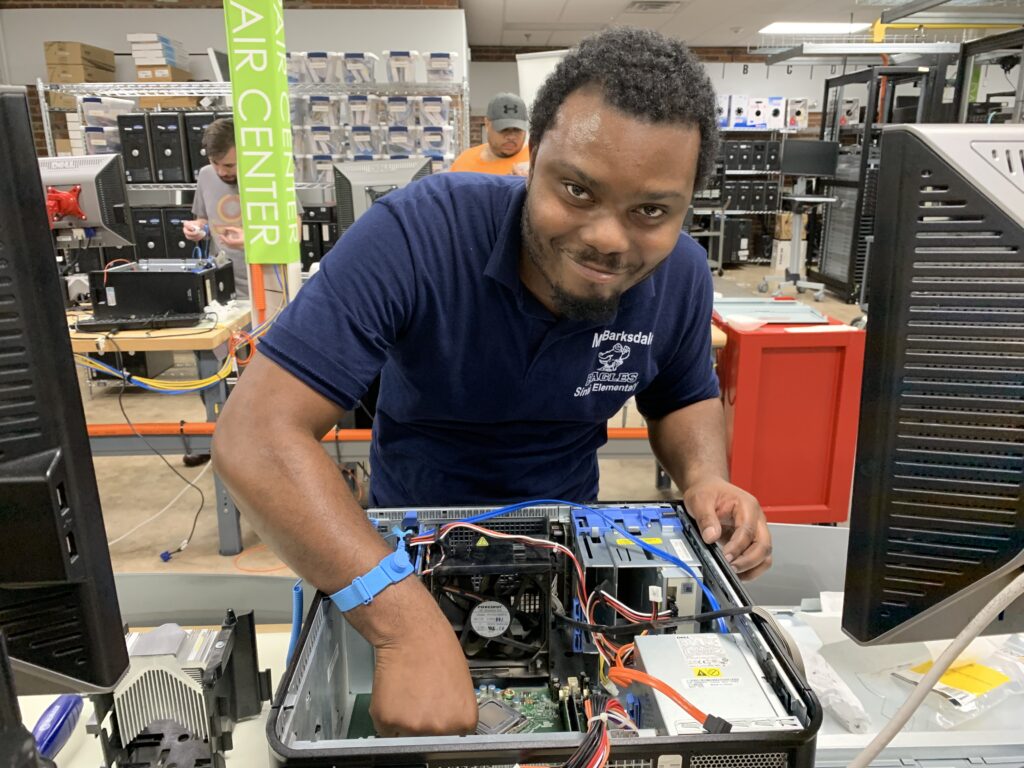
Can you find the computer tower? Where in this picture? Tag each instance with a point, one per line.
(730, 155)
(758, 201)
(758, 155)
(195, 127)
(309, 248)
(135, 148)
(149, 233)
(744, 156)
(743, 201)
(159, 286)
(773, 156)
(771, 196)
(736, 248)
(177, 245)
(329, 235)
(319, 213)
(170, 160)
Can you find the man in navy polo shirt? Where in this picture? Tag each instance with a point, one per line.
(508, 321)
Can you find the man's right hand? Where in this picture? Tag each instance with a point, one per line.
(421, 682)
(194, 231)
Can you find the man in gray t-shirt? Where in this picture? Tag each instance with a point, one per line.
(217, 206)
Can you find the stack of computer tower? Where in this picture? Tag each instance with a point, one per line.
(745, 165)
(164, 147)
(319, 234)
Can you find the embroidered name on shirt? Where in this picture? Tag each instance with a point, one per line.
(637, 337)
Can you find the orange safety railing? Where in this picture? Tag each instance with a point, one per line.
(170, 429)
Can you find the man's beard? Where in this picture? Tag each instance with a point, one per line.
(568, 305)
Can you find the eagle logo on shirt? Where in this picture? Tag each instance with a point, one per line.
(613, 358)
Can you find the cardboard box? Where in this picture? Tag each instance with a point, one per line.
(168, 102)
(78, 73)
(63, 147)
(60, 52)
(62, 101)
(781, 250)
(162, 75)
(784, 227)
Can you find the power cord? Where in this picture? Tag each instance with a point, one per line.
(977, 625)
(166, 554)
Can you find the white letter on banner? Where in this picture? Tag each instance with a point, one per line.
(253, 92)
(249, 17)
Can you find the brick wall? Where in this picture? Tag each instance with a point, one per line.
(172, 5)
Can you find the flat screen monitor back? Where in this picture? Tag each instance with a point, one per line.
(937, 522)
(58, 607)
(813, 158)
(102, 199)
(359, 184)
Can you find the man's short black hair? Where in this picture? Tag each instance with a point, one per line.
(643, 74)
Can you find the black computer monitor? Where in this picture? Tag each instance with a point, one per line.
(359, 184)
(809, 157)
(101, 197)
(58, 608)
(937, 521)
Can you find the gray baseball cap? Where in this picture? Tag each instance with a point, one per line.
(507, 110)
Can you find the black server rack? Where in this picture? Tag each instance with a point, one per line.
(135, 148)
(170, 159)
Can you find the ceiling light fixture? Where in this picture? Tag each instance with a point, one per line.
(812, 28)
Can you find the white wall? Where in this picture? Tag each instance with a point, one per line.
(25, 30)
(486, 78)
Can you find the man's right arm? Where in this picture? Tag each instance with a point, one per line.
(267, 450)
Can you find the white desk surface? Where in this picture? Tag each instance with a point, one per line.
(999, 728)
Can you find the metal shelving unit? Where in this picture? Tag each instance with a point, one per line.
(458, 91)
(849, 223)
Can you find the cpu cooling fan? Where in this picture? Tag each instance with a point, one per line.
(501, 619)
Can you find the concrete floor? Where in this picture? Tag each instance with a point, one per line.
(134, 488)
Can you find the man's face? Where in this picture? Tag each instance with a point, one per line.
(505, 143)
(606, 199)
(226, 166)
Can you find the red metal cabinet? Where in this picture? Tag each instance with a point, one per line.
(792, 405)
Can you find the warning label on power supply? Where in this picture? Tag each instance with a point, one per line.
(707, 672)
(702, 651)
(711, 682)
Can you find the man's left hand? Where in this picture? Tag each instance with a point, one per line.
(723, 511)
(232, 237)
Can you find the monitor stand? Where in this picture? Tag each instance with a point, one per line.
(799, 205)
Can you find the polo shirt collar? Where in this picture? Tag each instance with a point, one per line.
(503, 263)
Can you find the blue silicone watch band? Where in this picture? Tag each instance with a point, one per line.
(391, 570)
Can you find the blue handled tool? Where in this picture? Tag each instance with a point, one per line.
(56, 725)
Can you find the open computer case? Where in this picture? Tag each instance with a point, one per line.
(511, 607)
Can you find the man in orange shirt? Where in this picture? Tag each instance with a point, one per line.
(505, 151)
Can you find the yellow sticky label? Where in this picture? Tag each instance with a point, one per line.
(627, 542)
(482, 542)
(972, 678)
(707, 672)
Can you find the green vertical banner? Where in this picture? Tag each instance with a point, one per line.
(263, 129)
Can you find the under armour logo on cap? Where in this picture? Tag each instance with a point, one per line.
(507, 110)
